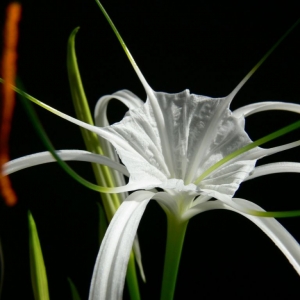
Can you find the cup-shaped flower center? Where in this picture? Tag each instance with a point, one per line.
(196, 131)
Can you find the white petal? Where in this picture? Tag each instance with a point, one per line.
(138, 256)
(258, 153)
(105, 134)
(218, 179)
(263, 106)
(111, 264)
(276, 232)
(100, 114)
(125, 96)
(270, 226)
(223, 183)
(46, 157)
(273, 168)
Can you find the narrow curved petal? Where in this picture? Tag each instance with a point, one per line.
(78, 155)
(138, 257)
(270, 226)
(46, 157)
(100, 114)
(111, 264)
(273, 168)
(263, 106)
(224, 181)
(125, 96)
(259, 153)
(276, 232)
(105, 134)
(129, 151)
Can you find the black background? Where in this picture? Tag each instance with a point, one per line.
(205, 46)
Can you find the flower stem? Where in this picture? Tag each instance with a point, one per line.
(175, 238)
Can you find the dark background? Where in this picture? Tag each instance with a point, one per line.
(207, 47)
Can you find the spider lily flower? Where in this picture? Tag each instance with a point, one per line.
(169, 142)
(192, 147)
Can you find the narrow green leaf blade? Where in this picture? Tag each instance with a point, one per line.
(74, 292)
(104, 175)
(37, 267)
(45, 139)
(80, 102)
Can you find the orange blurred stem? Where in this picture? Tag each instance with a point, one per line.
(8, 73)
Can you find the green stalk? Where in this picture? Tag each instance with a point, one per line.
(175, 238)
(131, 278)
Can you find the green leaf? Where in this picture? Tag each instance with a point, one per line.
(253, 70)
(74, 292)
(104, 176)
(45, 139)
(81, 105)
(37, 267)
(102, 173)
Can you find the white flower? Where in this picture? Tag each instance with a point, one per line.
(175, 142)
(168, 142)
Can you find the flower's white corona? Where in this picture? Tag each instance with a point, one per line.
(191, 134)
